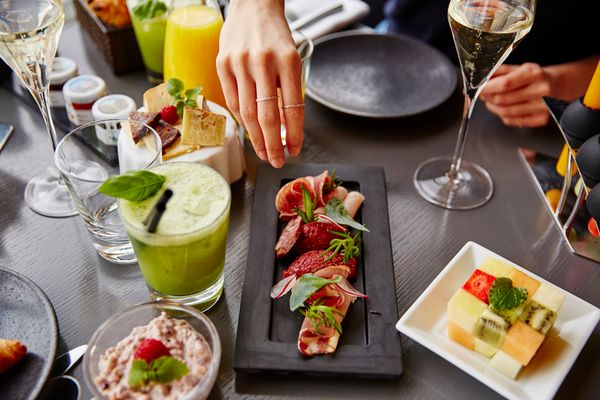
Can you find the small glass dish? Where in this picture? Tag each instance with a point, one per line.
(119, 326)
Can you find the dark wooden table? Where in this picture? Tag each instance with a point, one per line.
(57, 253)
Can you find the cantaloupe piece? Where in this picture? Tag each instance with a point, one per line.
(496, 267)
(522, 342)
(461, 336)
(484, 349)
(464, 309)
(520, 279)
(506, 364)
(549, 297)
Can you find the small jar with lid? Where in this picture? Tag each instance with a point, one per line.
(80, 94)
(63, 69)
(114, 106)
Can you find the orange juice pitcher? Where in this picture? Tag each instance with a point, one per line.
(192, 44)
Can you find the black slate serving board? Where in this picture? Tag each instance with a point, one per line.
(267, 331)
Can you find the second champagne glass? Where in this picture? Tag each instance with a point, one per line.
(484, 32)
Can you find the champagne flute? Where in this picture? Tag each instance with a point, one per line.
(29, 33)
(484, 32)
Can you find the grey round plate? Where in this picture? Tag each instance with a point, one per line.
(379, 76)
(27, 315)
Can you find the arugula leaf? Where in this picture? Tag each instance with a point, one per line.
(503, 296)
(306, 286)
(133, 185)
(335, 210)
(163, 369)
(322, 316)
(148, 9)
(174, 88)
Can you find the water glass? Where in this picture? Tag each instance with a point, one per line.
(85, 162)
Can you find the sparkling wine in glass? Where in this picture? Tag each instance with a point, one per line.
(29, 33)
(485, 32)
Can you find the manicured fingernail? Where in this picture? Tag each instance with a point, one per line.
(277, 162)
(262, 155)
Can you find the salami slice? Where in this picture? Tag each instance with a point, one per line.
(288, 237)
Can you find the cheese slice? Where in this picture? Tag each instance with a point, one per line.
(156, 98)
(202, 128)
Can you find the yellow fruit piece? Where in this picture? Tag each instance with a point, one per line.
(464, 309)
(522, 342)
(461, 336)
(506, 364)
(549, 297)
(553, 197)
(496, 268)
(485, 349)
(563, 159)
(578, 187)
(520, 279)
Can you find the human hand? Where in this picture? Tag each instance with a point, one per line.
(256, 56)
(515, 92)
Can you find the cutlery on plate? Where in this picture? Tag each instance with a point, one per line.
(316, 15)
(61, 386)
(65, 362)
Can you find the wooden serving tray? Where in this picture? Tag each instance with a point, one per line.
(268, 331)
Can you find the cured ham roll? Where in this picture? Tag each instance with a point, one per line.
(352, 202)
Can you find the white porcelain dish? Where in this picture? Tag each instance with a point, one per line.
(426, 321)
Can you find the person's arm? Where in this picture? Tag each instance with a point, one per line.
(256, 56)
(515, 92)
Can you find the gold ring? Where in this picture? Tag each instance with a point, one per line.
(258, 100)
(299, 105)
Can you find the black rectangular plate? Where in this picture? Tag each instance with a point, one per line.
(268, 331)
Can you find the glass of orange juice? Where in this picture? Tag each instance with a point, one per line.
(192, 44)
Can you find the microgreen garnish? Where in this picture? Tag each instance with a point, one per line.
(182, 99)
(309, 204)
(306, 286)
(322, 316)
(133, 185)
(149, 9)
(503, 296)
(348, 245)
(335, 210)
(334, 182)
(161, 370)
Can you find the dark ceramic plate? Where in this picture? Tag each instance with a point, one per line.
(26, 315)
(268, 331)
(379, 76)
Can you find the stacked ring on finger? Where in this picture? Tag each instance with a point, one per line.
(268, 98)
(299, 105)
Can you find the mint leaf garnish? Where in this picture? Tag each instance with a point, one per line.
(149, 9)
(503, 296)
(133, 185)
(175, 88)
(335, 210)
(164, 369)
(306, 286)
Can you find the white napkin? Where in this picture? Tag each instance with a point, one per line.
(352, 11)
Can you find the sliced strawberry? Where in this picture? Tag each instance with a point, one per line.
(150, 349)
(593, 227)
(479, 285)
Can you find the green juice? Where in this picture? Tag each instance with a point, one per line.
(184, 259)
(150, 34)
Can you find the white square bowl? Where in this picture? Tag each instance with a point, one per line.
(426, 323)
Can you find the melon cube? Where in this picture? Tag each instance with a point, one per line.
(520, 279)
(484, 349)
(461, 336)
(506, 364)
(549, 297)
(522, 342)
(496, 267)
(464, 309)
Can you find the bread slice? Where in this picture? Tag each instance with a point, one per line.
(11, 352)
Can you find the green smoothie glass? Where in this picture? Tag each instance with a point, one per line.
(149, 20)
(183, 260)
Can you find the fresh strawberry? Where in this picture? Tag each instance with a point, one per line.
(169, 115)
(479, 285)
(314, 260)
(593, 227)
(316, 236)
(150, 349)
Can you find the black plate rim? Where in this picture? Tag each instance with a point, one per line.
(47, 305)
(254, 351)
(336, 107)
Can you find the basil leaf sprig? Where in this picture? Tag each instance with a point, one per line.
(306, 286)
(503, 296)
(133, 185)
(309, 204)
(163, 369)
(182, 98)
(148, 9)
(335, 210)
(322, 316)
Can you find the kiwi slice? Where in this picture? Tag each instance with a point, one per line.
(538, 317)
(491, 328)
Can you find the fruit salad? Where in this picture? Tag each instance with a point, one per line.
(503, 314)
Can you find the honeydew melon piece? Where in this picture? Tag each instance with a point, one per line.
(461, 336)
(464, 309)
(491, 328)
(496, 267)
(484, 349)
(549, 297)
(519, 279)
(506, 364)
(522, 342)
(538, 317)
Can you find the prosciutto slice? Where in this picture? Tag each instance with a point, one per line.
(289, 197)
(289, 237)
(313, 261)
